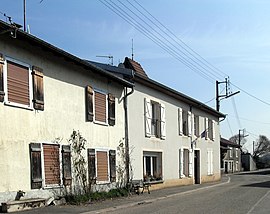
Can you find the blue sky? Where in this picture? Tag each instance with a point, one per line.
(234, 36)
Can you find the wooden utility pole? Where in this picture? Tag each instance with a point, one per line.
(24, 15)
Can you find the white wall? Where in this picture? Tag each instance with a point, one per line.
(64, 111)
(173, 142)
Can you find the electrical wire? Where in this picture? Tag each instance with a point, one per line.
(156, 40)
(227, 118)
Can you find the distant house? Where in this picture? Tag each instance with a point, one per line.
(46, 94)
(230, 154)
(173, 138)
(248, 162)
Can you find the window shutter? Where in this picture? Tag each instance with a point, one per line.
(181, 162)
(38, 91)
(2, 93)
(91, 165)
(189, 124)
(190, 165)
(89, 103)
(112, 165)
(162, 122)
(208, 163)
(180, 121)
(66, 165)
(211, 163)
(213, 130)
(148, 117)
(100, 107)
(36, 172)
(206, 128)
(111, 110)
(102, 166)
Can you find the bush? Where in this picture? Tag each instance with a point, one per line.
(96, 196)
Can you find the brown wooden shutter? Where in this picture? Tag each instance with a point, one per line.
(89, 103)
(51, 164)
(111, 110)
(91, 166)
(36, 172)
(102, 166)
(38, 91)
(66, 165)
(112, 160)
(2, 93)
(100, 107)
(18, 83)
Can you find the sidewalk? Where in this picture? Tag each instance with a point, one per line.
(134, 200)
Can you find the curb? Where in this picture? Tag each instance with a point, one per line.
(149, 201)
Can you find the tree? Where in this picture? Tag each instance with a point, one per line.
(235, 139)
(262, 147)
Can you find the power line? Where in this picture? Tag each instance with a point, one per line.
(156, 40)
(186, 55)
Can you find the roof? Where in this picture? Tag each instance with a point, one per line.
(145, 80)
(6, 29)
(227, 143)
(135, 66)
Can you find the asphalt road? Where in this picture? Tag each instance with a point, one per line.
(247, 193)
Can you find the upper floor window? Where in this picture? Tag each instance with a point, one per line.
(210, 129)
(236, 152)
(196, 125)
(154, 119)
(100, 107)
(184, 120)
(21, 85)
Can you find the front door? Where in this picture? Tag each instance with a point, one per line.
(197, 175)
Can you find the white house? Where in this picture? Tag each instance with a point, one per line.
(45, 95)
(175, 140)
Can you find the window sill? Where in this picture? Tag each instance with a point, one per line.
(18, 105)
(100, 123)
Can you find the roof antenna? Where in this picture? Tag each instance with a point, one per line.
(110, 57)
(132, 54)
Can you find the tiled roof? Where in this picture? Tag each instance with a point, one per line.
(226, 142)
(131, 64)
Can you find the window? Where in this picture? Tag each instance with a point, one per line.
(236, 152)
(45, 165)
(101, 165)
(184, 120)
(209, 129)
(209, 162)
(236, 165)
(100, 107)
(185, 163)
(18, 87)
(152, 166)
(230, 152)
(154, 119)
(196, 126)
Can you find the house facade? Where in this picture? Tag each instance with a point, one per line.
(173, 139)
(230, 154)
(48, 97)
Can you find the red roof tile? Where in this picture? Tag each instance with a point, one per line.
(131, 64)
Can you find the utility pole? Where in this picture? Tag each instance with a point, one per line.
(223, 96)
(253, 147)
(243, 135)
(24, 15)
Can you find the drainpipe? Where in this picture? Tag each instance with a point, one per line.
(127, 158)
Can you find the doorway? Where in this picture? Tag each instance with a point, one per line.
(197, 175)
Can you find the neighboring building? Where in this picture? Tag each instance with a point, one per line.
(173, 139)
(230, 154)
(46, 94)
(248, 162)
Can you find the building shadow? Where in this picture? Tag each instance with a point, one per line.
(265, 184)
(259, 172)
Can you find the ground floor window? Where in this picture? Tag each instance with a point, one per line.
(101, 165)
(185, 163)
(48, 166)
(152, 166)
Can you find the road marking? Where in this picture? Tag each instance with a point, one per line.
(258, 202)
(132, 204)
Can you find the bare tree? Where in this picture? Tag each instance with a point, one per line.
(262, 147)
(235, 139)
